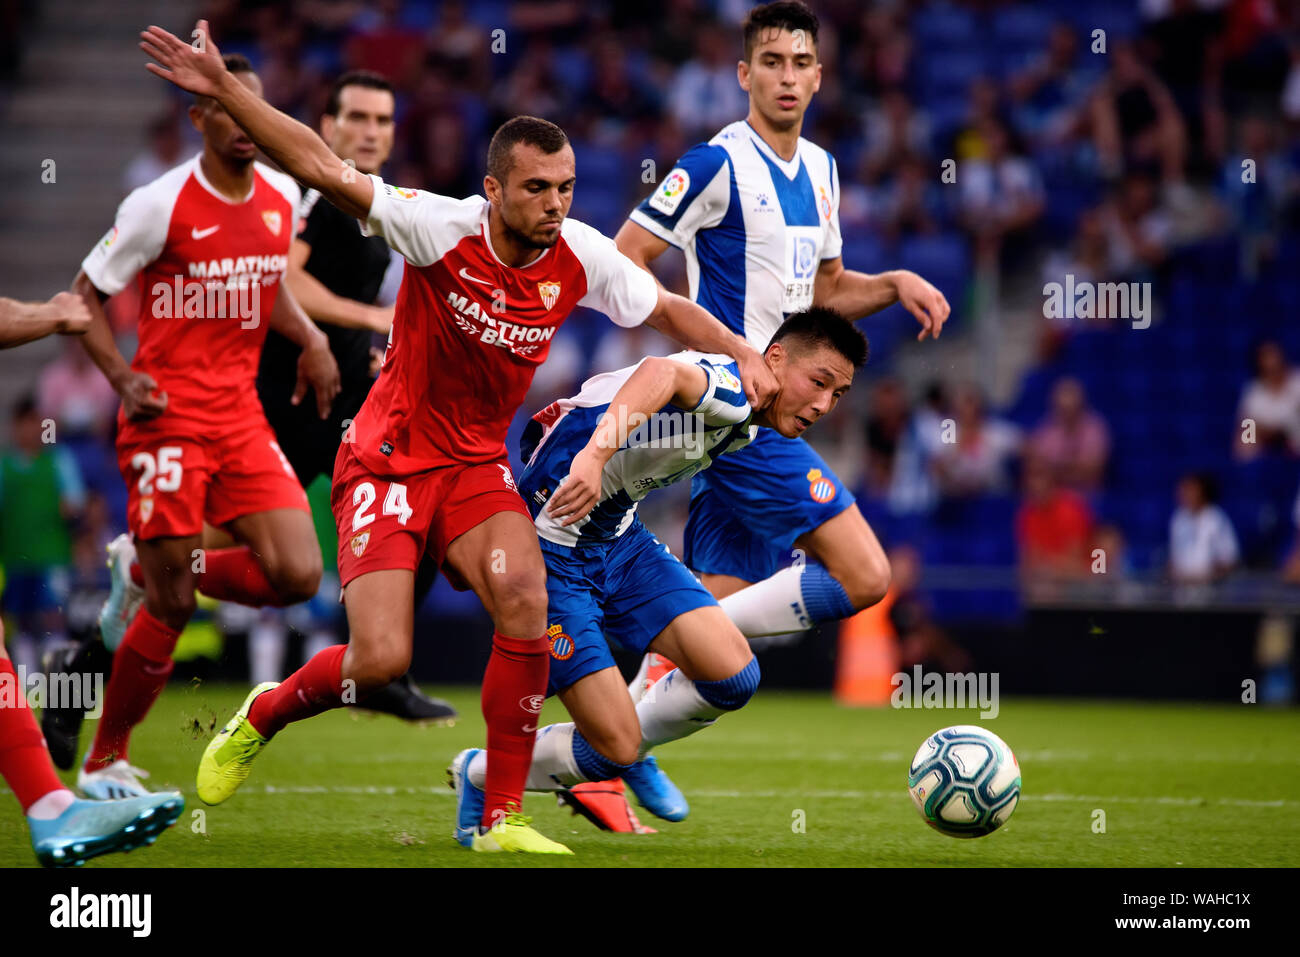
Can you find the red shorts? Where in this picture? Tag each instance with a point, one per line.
(390, 522)
(179, 477)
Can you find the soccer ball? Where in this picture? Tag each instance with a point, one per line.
(964, 781)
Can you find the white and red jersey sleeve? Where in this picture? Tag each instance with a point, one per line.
(616, 286)
(138, 233)
(420, 225)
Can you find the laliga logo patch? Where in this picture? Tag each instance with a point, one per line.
(272, 219)
(359, 543)
(669, 195)
(562, 646)
(403, 193)
(822, 489)
(110, 237)
(550, 291)
(533, 703)
(729, 381)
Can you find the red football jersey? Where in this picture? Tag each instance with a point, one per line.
(212, 269)
(470, 331)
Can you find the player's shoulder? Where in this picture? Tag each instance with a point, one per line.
(158, 196)
(817, 157)
(282, 183)
(586, 242)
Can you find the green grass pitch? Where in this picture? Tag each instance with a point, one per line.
(793, 780)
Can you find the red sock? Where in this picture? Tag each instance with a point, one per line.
(233, 574)
(24, 762)
(515, 679)
(137, 574)
(141, 668)
(315, 687)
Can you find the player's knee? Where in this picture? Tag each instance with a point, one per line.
(173, 606)
(617, 745)
(867, 582)
(298, 578)
(732, 694)
(373, 666)
(520, 602)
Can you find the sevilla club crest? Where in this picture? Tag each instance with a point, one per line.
(550, 291)
(272, 219)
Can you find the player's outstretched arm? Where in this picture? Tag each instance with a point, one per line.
(639, 244)
(294, 147)
(28, 321)
(317, 368)
(696, 328)
(857, 294)
(655, 383)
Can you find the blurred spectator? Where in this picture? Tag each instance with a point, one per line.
(1073, 442)
(920, 640)
(1259, 207)
(914, 488)
(886, 425)
(162, 153)
(1134, 119)
(1291, 569)
(1139, 230)
(462, 46)
(705, 95)
(1109, 538)
(912, 203)
(894, 132)
(40, 495)
(616, 97)
(1001, 194)
(1272, 401)
(75, 394)
(1051, 93)
(383, 45)
(1054, 527)
(1202, 543)
(977, 459)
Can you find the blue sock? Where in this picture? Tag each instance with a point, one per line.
(593, 765)
(824, 598)
(729, 694)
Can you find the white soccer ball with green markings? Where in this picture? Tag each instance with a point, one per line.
(964, 781)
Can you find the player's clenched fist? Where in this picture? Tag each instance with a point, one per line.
(139, 403)
(68, 312)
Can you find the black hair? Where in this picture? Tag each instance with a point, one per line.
(783, 15)
(824, 327)
(364, 78)
(529, 130)
(25, 406)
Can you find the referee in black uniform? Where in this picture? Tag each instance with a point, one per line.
(335, 273)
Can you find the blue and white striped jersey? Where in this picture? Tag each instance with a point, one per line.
(733, 200)
(669, 446)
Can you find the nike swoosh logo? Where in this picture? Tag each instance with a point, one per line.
(200, 233)
(465, 275)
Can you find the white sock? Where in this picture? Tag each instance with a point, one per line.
(770, 607)
(672, 709)
(51, 805)
(553, 765)
(266, 644)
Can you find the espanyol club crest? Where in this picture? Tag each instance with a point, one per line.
(562, 647)
(272, 219)
(550, 291)
(359, 543)
(822, 489)
(825, 202)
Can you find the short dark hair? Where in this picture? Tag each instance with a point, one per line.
(783, 15)
(530, 130)
(819, 326)
(366, 78)
(235, 63)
